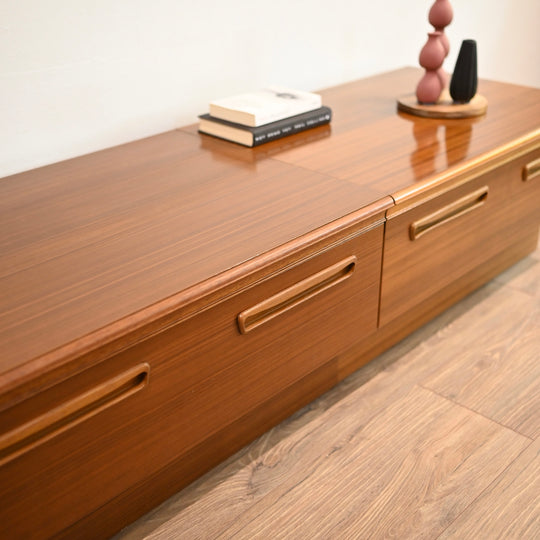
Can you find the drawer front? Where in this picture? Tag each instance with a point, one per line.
(435, 243)
(73, 448)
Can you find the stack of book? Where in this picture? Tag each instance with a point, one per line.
(266, 115)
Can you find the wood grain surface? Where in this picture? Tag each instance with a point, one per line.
(205, 376)
(416, 268)
(397, 471)
(383, 454)
(509, 508)
(371, 144)
(145, 254)
(93, 240)
(497, 375)
(96, 240)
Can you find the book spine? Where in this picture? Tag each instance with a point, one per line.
(291, 126)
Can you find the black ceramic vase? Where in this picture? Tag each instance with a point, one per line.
(465, 77)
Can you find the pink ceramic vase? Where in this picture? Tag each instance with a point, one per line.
(440, 16)
(429, 88)
(445, 79)
(445, 42)
(432, 54)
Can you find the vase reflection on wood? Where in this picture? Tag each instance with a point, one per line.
(464, 80)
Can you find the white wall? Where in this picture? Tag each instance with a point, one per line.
(81, 75)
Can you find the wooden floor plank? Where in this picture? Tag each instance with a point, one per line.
(495, 369)
(509, 508)
(411, 470)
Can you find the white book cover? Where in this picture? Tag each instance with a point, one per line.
(264, 106)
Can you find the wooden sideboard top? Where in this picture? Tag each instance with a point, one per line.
(93, 246)
(373, 145)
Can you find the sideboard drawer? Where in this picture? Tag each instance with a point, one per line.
(437, 242)
(107, 429)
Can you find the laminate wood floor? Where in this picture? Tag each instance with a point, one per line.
(437, 438)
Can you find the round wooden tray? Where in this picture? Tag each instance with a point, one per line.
(444, 108)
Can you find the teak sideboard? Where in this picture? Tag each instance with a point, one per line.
(166, 301)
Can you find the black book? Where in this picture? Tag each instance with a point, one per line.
(254, 136)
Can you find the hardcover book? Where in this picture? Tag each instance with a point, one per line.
(264, 106)
(254, 136)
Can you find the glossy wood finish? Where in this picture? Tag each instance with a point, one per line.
(86, 259)
(54, 421)
(296, 294)
(135, 225)
(531, 170)
(373, 146)
(205, 375)
(447, 213)
(433, 244)
(148, 253)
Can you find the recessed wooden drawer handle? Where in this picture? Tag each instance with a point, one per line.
(448, 213)
(296, 294)
(531, 170)
(72, 412)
